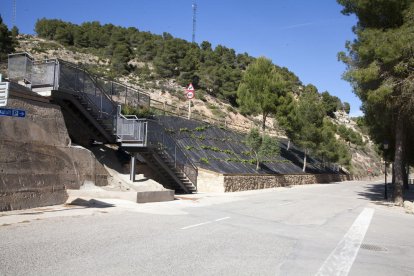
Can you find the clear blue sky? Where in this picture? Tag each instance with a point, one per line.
(305, 36)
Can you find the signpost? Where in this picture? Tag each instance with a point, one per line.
(190, 92)
(12, 112)
(385, 171)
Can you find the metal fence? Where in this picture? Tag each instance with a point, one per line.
(159, 139)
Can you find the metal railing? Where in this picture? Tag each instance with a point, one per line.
(75, 79)
(159, 139)
(20, 67)
(124, 94)
(99, 95)
(182, 112)
(131, 129)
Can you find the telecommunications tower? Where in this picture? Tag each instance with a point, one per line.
(194, 20)
(14, 13)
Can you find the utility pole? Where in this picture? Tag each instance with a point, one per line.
(194, 20)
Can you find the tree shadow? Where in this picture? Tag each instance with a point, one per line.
(375, 193)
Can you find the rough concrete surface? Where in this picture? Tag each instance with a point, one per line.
(37, 162)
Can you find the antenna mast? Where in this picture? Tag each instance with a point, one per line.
(14, 13)
(194, 20)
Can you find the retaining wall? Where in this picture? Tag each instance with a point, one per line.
(209, 181)
(236, 183)
(37, 163)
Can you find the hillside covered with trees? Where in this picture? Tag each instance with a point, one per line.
(253, 86)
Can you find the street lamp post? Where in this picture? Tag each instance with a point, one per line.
(385, 167)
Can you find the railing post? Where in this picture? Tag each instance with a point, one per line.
(175, 156)
(100, 110)
(138, 99)
(77, 81)
(126, 94)
(146, 132)
(54, 75)
(83, 82)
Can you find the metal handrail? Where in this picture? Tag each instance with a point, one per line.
(164, 142)
(92, 78)
(112, 91)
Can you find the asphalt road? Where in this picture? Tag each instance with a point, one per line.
(332, 229)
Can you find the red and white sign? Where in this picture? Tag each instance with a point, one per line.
(190, 91)
(190, 94)
(190, 88)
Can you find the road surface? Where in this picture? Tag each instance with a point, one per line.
(330, 229)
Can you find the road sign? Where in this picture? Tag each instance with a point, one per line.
(190, 95)
(12, 112)
(190, 88)
(4, 93)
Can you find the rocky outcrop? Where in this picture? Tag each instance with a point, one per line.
(37, 162)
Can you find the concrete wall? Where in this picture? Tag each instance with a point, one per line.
(210, 182)
(37, 163)
(235, 183)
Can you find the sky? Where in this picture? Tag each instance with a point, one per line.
(304, 36)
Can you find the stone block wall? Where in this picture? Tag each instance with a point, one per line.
(236, 183)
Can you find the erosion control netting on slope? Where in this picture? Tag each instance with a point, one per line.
(221, 150)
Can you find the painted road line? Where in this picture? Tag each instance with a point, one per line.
(222, 218)
(203, 223)
(343, 256)
(195, 225)
(287, 203)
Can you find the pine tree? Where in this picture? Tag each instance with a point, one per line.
(380, 67)
(6, 41)
(261, 89)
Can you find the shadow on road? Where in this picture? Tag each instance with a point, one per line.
(92, 203)
(375, 192)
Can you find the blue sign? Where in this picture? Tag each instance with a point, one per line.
(12, 112)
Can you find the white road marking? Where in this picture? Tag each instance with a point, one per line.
(203, 223)
(287, 203)
(195, 225)
(343, 256)
(222, 218)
